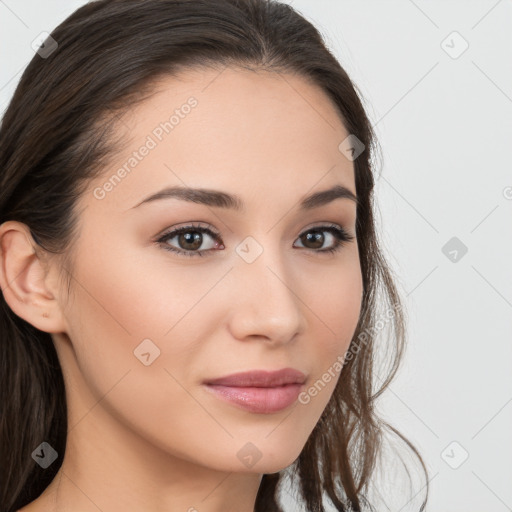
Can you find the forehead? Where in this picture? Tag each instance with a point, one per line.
(243, 131)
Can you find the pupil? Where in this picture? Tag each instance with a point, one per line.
(316, 237)
(194, 239)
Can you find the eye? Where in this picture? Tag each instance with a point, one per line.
(315, 236)
(191, 238)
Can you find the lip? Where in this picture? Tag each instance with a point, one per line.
(260, 378)
(259, 391)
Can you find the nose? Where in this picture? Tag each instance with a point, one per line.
(266, 302)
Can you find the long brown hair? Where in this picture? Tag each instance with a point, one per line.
(56, 135)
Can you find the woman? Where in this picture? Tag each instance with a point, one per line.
(189, 267)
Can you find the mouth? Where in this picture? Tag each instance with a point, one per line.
(259, 391)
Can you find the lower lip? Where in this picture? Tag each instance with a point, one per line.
(258, 400)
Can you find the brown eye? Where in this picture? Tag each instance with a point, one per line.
(189, 239)
(314, 238)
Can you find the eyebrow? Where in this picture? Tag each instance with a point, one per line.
(220, 199)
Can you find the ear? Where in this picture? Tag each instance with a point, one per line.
(28, 286)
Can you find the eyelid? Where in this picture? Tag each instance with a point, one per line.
(341, 235)
(189, 225)
(205, 225)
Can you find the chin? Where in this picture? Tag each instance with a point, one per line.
(274, 461)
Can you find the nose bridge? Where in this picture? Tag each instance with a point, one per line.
(267, 304)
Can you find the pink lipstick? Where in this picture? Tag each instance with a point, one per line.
(259, 391)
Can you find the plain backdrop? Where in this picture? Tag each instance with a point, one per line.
(436, 80)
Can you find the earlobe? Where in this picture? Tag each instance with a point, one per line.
(24, 279)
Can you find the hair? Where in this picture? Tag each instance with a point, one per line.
(57, 134)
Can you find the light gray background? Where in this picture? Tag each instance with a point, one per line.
(445, 127)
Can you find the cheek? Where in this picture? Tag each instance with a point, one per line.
(338, 304)
(127, 295)
(116, 307)
(337, 312)
(124, 304)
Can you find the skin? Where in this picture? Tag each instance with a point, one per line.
(151, 437)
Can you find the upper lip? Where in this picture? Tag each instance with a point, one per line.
(261, 378)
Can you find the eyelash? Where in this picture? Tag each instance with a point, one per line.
(340, 235)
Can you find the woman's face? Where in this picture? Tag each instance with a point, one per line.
(256, 289)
